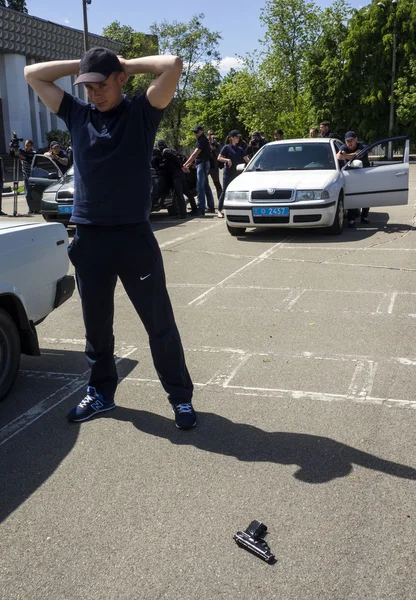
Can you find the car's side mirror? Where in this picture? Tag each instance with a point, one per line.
(356, 164)
(240, 168)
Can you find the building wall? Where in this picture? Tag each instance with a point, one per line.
(24, 40)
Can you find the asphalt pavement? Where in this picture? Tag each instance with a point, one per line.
(302, 350)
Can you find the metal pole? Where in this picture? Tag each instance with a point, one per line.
(84, 9)
(393, 80)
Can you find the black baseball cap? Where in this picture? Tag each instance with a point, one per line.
(350, 135)
(161, 144)
(53, 144)
(97, 65)
(197, 128)
(234, 133)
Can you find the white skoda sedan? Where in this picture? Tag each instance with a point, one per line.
(300, 183)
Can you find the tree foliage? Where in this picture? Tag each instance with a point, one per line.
(313, 64)
(134, 45)
(19, 5)
(196, 45)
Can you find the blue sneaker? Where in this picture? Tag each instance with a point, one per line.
(92, 405)
(185, 416)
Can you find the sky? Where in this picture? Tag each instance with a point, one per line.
(238, 21)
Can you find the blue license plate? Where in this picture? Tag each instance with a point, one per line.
(66, 210)
(271, 211)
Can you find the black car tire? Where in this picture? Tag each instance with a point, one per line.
(9, 352)
(338, 224)
(234, 231)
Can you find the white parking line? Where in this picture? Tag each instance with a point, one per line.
(291, 299)
(203, 297)
(186, 236)
(392, 301)
(363, 379)
(41, 408)
(359, 390)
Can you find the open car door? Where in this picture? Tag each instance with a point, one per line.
(44, 172)
(381, 184)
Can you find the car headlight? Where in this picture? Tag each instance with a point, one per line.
(49, 197)
(237, 196)
(312, 194)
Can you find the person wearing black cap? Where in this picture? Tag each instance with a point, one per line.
(112, 140)
(349, 151)
(231, 155)
(201, 156)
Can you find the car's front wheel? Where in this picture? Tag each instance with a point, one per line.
(235, 230)
(9, 352)
(338, 224)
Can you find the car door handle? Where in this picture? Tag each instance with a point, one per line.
(401, 174)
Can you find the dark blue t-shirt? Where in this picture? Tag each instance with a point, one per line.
(359, 146)
(112, 154)
(235, 154)
(203, 144)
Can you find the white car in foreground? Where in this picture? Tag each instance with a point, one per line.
(300, 183)
(33, 282)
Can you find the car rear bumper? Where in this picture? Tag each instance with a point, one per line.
(311, 214)
(64, 289)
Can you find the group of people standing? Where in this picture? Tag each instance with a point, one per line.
(210, 157)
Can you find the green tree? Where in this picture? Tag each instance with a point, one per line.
(324, 66)
(134, 45)
(19, 5)
(291, 29)
(363, 91)
(196, 45)
(200, 107)
(406, 99)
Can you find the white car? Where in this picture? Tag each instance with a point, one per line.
(300, 183)
(33, 282)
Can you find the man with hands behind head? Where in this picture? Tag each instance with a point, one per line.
(112, 204)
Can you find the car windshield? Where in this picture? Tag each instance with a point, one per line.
(293, 157)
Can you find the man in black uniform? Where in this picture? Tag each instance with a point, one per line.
(114, 135)
(349, 151)
(176, 170)
(325, 132)
(201, 155)
(26, 158)
(256, 142)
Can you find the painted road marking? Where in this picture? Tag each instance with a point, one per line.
(42, 408)
(203, 297)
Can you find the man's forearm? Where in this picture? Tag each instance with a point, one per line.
(152, 64)
(192, 157)
(51, 71)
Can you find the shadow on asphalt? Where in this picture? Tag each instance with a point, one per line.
(320, 459)
(378, 222)
(29, 458)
